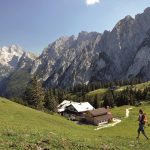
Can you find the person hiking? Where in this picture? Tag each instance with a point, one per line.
(142, 120)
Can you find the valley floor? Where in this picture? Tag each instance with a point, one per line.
(23, 128)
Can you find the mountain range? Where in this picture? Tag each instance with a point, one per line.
(120, 54)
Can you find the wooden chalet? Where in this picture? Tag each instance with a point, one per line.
(98, 116)
(62, 106)
(74, 110)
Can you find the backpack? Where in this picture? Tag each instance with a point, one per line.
(144, 119)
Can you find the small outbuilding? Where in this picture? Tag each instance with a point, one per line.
(98, 116)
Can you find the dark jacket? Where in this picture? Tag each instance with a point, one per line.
(141, 119)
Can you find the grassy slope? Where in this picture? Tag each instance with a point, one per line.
(25, 128)
(101, 92)
(137, 86)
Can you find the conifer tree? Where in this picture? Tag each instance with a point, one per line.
(50, 100)
(34, 94)
(96, 103)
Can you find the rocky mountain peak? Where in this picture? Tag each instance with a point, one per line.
(143, 16)
(60, 41)
(124, 23)
(10, 56)
(147, 10)
(85, 36)
(29, 55)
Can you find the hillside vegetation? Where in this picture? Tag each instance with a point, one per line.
(102, 91)
(25, 128)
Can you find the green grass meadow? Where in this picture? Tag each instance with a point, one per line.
(23, 128)
(99, 91)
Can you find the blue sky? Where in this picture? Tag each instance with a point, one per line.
(33, 24)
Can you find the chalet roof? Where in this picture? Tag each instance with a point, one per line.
(98, 112)
(62, 106)
(82, 107)
(103, 118)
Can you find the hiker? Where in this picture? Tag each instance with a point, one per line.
(142, 120)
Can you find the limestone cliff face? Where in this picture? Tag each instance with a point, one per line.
(113, 55)
(67, 60)
(141, 63)
(120, 46)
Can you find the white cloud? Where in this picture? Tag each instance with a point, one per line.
(92, 2)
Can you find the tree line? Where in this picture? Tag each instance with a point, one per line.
(47, 99)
